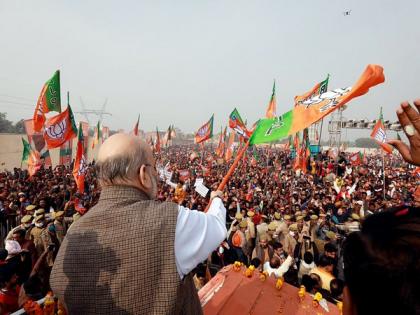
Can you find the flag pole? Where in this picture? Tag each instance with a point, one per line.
(383, 171)
(320, 134)
(231, 170)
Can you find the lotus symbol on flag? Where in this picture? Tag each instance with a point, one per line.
(202, 131)
(57, 131)
(330, 96)
(83, 166)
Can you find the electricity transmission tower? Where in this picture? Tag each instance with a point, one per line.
(100, 113)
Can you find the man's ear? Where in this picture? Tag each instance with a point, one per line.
(144, 178)
(348, 307)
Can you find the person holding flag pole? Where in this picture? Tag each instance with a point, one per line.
(379, 135)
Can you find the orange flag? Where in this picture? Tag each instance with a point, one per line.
(221, 146)
(379, 135)
(34, 162)
(229, 148)
(271, 109)
(157, 144)
(59, 129)
(79, 168)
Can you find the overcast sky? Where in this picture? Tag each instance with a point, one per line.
(177, 62)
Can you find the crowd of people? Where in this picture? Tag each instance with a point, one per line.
(288, 222)
(294, 224)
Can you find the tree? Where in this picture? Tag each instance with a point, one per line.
(6, 126)
(19, 127)
(365, 143)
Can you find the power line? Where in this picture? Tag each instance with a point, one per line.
(18, 97)
(18, 103)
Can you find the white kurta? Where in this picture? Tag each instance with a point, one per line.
(197, 234)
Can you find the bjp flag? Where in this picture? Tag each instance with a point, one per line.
(49, 100)
(379, 134)
(230, 147)
(271, 109)
(59, 129)
(80, 165)
(309, 111)
(205, 132)
(34, 162)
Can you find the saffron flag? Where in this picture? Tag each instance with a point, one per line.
(305, 151)
(311, 110)
(96, 134)
(173, 132)
(34, 162)
(49, 100)
(296, 141)
(205, 132)
(236, 123)
(79, 207)
(255, 158)
(59, 129)
(136, 127)
(157, 143)
(221, 146)
(168, 136)
(184, 174)
(318, 89)
(37, 140)
(379, 134)
(80, 165)
(271, 109)
(230, 147)
(356, 158)
(85, 127)
(66, 152)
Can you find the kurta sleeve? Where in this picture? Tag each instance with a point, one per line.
(197, 234)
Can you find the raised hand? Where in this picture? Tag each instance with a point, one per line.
(410, 122)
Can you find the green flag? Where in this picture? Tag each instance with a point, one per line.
(98, 128)
(272, 129)
(26, 151)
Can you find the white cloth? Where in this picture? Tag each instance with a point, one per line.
(280, 271)
(197, 234)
